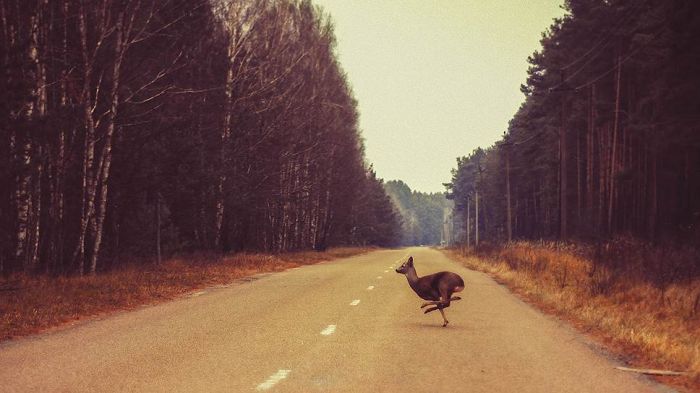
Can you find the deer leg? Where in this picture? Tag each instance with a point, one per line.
(430, 309)
(445, 302)
(443, 317)
(432, 303)
(441, 307)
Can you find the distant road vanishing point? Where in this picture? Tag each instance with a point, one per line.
(351, 325)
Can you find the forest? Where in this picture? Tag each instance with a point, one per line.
(422, 214)
(607, 141)
(588, 205)
(154, 127)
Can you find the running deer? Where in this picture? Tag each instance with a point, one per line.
(436, 288)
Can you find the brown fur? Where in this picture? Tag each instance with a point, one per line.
(436, 288)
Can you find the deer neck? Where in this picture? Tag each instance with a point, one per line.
(412, 277)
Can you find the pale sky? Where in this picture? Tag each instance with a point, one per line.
(435, 79)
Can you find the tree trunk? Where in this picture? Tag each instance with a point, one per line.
(56, 256)
(590, 151)
(579, 162)
(613, 172)
(508, 207)
(35, 219)
(563, 208)
(469, 202)
(103, 169)
(88, 182)
(22, 200)
(653, 201)
(602, 173)
(225, 137)
(38, 57)
(476, 226)
(158, 229)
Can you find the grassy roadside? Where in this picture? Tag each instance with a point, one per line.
(31, 304)
(652, 327)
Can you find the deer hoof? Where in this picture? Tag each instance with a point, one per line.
(445, 324)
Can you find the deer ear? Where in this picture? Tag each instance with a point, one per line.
(410, 260)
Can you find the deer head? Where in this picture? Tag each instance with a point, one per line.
(403, 269)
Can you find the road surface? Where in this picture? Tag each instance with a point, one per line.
(352, 325)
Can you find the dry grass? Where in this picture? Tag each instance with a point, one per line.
(31, 304)
(655, 323)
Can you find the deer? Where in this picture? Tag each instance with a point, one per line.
(436, 288)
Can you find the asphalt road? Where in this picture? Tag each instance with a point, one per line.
(352, 325)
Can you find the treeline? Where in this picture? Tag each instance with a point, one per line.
(607, 142)
(148, 127)
(422, 214)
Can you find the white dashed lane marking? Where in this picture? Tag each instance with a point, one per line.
(328, 330)
(272, 381)
(355, 302)
(371, 287)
